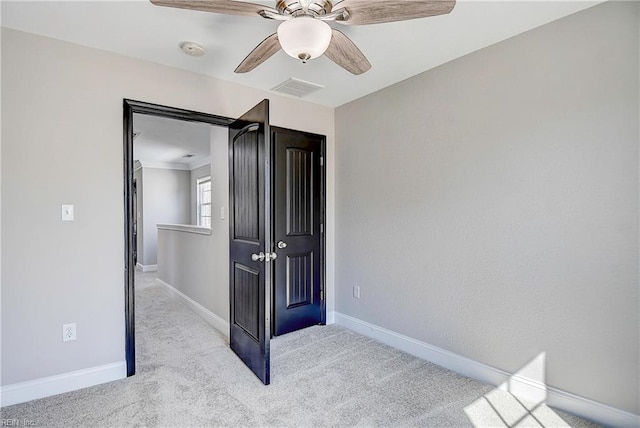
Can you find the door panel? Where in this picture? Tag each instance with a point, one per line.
(299, 279)
(297, 223)
(250, 232)
(246, 194)
(246, 283)
(299, 197)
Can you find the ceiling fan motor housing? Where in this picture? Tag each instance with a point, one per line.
(297, 7)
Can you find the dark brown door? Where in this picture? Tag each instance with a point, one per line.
(250, 271)
(298, 230)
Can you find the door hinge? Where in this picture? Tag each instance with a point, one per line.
(321, 160)
(321, 294)
(321, 228)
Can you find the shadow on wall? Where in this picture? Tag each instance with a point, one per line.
(520, 401)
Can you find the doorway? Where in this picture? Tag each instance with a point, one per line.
(129, 108)
(297, 279)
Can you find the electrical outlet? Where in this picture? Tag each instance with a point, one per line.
(356, 291)
(68, 332)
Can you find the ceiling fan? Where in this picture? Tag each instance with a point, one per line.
(304, 33)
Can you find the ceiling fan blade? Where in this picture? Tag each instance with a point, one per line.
(228, 7)
(362, 12)
(346, 54)
(265, 50)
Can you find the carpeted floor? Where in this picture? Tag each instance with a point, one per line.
(321, 376)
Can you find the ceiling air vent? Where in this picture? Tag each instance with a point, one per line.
(297, 87)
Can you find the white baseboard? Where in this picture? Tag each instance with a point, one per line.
(331, 317)
(531, 390)
(562, 400)
(439, 356)
(147, 268)
(58, 384)
(217, 322)
(589, 409)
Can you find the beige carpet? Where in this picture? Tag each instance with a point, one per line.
(321, 376)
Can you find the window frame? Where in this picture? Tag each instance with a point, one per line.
(199, 204)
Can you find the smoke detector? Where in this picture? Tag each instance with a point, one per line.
(192, 48)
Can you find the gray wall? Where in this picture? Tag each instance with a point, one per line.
(490, 206)
(166, 199)
(197, 173)
(198, 265)
(54, 272)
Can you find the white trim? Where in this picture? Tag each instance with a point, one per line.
(217, 322)
(188, 228)
(199, 204)
(58, 384)
(531, 390)
(331, 317)
(172, 165)
(164, 165)
(439, 356)
(566, 401)
(589, 409)
(147, 268)
(200, 163)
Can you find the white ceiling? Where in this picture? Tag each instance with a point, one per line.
(397, 51)
(163, 143)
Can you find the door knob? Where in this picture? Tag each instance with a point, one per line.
(258, 257)
(282, 244)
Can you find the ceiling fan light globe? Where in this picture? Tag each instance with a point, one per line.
(304, 37)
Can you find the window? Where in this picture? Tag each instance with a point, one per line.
(204, 201)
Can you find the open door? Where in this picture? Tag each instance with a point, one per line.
(250, 270)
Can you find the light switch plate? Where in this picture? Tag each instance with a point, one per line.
(67, 212)
(356, 291)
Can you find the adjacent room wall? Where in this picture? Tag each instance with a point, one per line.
(490, 206)
(197, 173)
(166, 199)
(198, 265)
(53, 272)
